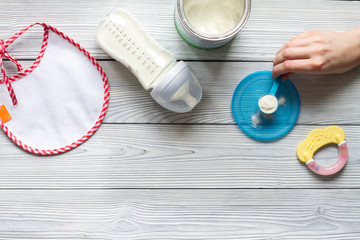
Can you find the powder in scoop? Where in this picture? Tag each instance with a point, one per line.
(268, 104)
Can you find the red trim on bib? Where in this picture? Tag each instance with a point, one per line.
(39, 57)
(7, 80)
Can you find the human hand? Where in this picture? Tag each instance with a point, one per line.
(318, 52)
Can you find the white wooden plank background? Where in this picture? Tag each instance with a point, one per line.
(152, 174)
(177, 156)
(180, 214)
(271, 24)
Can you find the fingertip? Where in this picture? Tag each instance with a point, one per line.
(278, 70)
(274, 75)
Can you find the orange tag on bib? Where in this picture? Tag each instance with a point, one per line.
(4, 114)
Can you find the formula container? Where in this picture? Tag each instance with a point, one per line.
(174, 85)
(209, 24)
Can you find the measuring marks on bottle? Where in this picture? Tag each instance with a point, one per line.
(126, 42)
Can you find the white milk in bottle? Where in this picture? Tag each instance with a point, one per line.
(174, 85)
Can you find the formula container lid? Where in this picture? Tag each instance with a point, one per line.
(179, 91)
(246, 110)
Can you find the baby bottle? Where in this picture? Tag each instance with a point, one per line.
(174, 85)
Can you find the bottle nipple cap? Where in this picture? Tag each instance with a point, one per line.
(179, 91)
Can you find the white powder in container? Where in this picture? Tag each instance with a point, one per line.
(209, 24)
(214, 16)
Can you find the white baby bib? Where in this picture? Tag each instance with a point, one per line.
(58, 102)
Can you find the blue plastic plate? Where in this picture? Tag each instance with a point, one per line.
(248, 116)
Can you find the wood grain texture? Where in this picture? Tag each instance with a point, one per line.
(177, 156)
(180, 214)
(271, 24)
(148, 173)
(325, 99)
